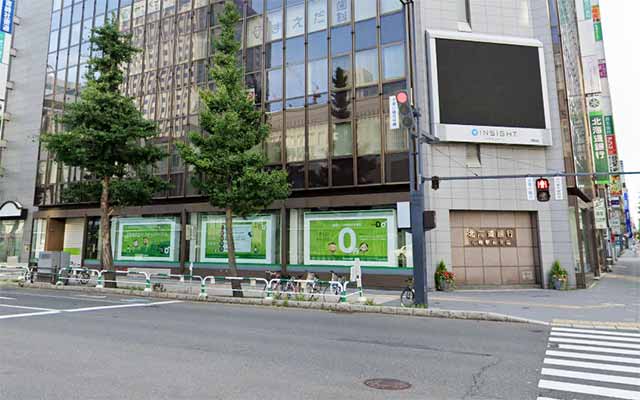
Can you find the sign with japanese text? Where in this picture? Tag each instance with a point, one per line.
(490, 237)
(317, 11)
(600, 214)
(341, 238)
(531, 189)
(558, 187)
(602, 67)
(394, 117)
(586, 4)
(600, 160)
(253, 238)
(341, 12)
(611, 145)
(608, 125)
(6, 18)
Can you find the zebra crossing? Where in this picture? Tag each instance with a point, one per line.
(591, 364)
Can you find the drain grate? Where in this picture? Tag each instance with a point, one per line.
(387, 384)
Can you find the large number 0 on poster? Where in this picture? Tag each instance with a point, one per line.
(146, 241)
(341, 238)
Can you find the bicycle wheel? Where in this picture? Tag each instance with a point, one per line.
(85, 277)
(312, 291)
(331, 294)
(407, 297)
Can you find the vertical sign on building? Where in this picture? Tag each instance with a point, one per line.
(558, 187)
(6, 18)
(394, 117)
(597, 24)
(600, 158)
(586, 5)
(600, 214)
(602, 68)
(531, 189)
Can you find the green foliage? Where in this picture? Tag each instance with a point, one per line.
(228, 168)
(104, 132)
(442, 275)
(557, 272)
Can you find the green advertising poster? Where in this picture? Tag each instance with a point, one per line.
(341, 238)
(597, 29)
(146, 241)
(608, 125)
(599, 144)
(587, 9)
(253, 238)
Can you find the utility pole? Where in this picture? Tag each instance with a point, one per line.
(417, 198)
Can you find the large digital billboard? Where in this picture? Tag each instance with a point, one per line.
(488, 89)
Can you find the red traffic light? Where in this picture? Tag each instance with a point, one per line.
(542, 184)
(402, 97)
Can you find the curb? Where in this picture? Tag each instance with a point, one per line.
(336, 307)
(570, 323)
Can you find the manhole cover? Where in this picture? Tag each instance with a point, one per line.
(387, 384)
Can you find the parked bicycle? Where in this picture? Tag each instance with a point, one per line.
(408, 295)
(81, 275)
(333, 292)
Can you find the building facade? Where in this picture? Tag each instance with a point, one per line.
(323, 71)
(23, 52)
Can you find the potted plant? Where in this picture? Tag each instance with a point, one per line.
(558, 276)
(445, 280)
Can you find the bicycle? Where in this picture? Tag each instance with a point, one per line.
(82, 275)
(333, 292)
(408, 295)
(312, 289)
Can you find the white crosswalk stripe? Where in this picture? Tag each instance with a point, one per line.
(590, 364)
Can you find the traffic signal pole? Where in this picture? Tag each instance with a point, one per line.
(416, 196)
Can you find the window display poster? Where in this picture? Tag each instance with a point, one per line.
(146, 241)
(252, 237)
(342, 237)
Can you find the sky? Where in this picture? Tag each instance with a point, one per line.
(621, 31)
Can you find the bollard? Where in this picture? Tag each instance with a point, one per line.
(147, 287)
(100, 284)
(59, 281)
(203, 290)
(343, 295)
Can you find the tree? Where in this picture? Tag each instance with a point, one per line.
(107, 137)
(229, 167)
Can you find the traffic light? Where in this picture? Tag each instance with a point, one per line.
(542, 188)
(405, 110)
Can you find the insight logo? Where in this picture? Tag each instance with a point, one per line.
(474, 132)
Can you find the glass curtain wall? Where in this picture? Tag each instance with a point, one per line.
(321, 69)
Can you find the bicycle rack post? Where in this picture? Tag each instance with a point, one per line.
(203, 290)
(343, 293)
(147, 286)
(269, 295)
(100, 284)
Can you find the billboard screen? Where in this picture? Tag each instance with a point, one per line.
(488, 89)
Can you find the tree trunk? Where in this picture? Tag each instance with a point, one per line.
(231, 253)
(105, 233)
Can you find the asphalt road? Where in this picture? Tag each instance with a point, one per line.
(69, 346)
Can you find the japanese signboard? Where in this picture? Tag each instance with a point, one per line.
(394, 117)
(6, 18)
(600, 160)
(490, 237)
(558, 187)
(531, 189)
(253, 238)
(341, 12)
(146, 240)
(586, 4)
(600, 214)
(611, 145)
(608, 125)
(317, 11)
(602, 66)
(341, 238)
(597, 25)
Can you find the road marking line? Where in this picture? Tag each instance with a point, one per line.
(589, 389)
(595, 342)
(600, 349)
(585, 336)
(69, 297)
(29, 314)
(596, 357)
(72, 310)
(591, 365)
(26, 308)
(600, 332)
(591, 376)
(6, 298)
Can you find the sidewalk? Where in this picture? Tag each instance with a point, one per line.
(614, 298)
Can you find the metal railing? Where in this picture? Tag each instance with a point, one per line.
(273, 289)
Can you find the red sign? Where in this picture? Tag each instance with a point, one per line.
(542, 184)
(595, 12)
(612, 148)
